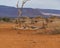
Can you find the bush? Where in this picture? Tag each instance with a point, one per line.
(0, 19)
(6, 19)
(57, 31)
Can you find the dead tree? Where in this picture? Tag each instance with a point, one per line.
(20, 11)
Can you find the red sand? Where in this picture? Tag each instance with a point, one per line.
(9, 38)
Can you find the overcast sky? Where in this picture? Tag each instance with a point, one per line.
(45, 4)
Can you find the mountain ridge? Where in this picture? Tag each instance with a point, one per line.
(7, 11)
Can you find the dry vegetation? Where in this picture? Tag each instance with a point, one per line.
(11, 38)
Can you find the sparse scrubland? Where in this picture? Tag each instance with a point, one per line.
(28, 38)
(39, 24)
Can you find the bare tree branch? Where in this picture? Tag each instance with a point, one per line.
(20, 10)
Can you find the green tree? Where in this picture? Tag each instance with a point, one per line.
(6, 19)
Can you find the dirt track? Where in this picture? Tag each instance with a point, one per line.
(9, 38)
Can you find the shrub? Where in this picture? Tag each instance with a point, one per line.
(0, 19)
(56, 31)
(6, 19)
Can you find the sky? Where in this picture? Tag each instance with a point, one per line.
(42, 4)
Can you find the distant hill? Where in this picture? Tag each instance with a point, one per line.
(6, 11)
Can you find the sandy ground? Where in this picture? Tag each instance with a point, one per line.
(9, 38)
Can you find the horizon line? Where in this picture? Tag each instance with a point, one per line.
(30, 7)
